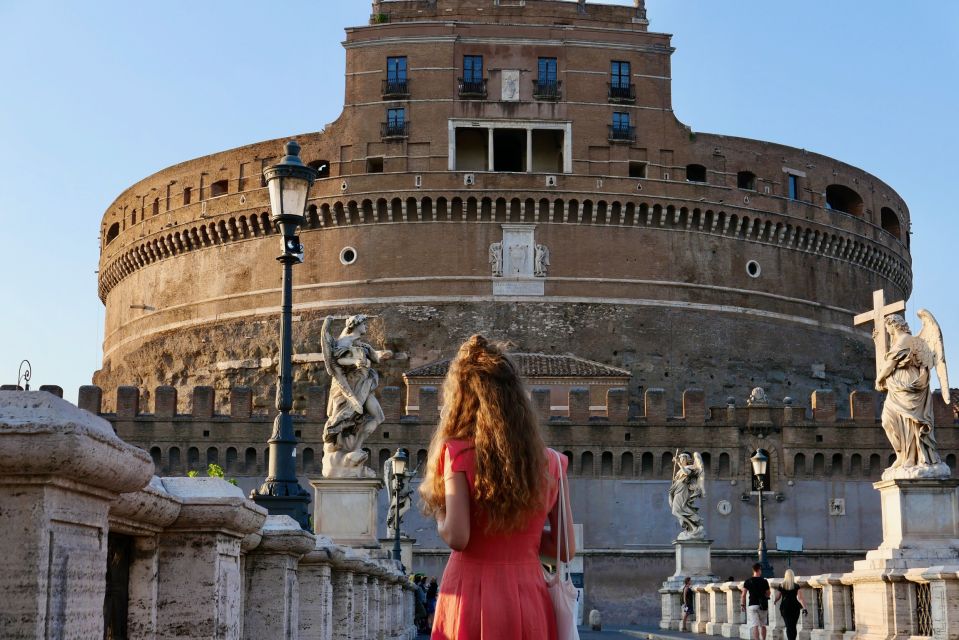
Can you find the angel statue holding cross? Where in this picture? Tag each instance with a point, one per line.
(688, 486)
(904, 372)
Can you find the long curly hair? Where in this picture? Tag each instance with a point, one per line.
(485, 402)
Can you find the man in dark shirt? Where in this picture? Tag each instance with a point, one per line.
(758, 589)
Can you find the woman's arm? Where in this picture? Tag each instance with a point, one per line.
(547, 544)
(779, 595)
(453, 522)
(799, 597)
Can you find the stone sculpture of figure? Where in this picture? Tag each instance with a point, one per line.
(404, 497)
(541, 261)
(688, 485)
(496, 259)
(757, 398)
(353, 410)
(904, 373)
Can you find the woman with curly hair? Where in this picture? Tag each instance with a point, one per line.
(491, 484)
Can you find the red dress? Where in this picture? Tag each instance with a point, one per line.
(494, 588)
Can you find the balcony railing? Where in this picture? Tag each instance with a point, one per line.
(396, 89)
(393, 130)
(622, 93)
(472, 89)
(619, 133)
(547, 90)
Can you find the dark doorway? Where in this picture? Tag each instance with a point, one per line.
(509, 150)
(117, 599)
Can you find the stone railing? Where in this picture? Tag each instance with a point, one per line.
(183, 557)
(926, 605)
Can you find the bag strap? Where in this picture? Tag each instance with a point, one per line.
(562, 519)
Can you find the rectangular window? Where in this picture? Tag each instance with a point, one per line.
(619, 74)
(546, 72)
(620, 129)
(395, 117)
(396, 69)
(620, 120)
(793, 187)
(472, 69)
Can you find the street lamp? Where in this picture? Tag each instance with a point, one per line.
(760, 462)
(289, 184)
(400, 460)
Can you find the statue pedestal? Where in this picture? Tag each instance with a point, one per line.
(406, 550)
(345, 510)
(920, 530)
(693, 560)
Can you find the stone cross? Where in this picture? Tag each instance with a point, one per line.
(876, 315)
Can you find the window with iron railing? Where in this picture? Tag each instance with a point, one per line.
(621, 89)
(620, 130)
(396, 125)
(546, 86)
(397, 82)
(472, 84)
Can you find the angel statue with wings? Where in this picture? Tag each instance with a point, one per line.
(904, 373)
(688, 485)
(353, 410)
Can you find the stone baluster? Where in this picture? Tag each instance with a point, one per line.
(410, 607)
(717, 608)
(735, 617)
(700, 614)
(344, 561)
(61, 468)
(775, 626)
(944, 593)
(272, 602)
(360, 602)
(834, 607)
(373, 608)
(808, 622)
(316, 591)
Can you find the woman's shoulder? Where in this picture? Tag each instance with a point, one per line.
(461, 453)
(555, 457)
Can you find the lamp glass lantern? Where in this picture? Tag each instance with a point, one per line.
(760, 462)
(289, 183)
(400, 459)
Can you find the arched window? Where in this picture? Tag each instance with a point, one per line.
(113, 232)
(819, 465)
(192, 459)
(707, 464)
(841, 198)
(666, 470)
(249, 460)
(308, 459)
(890, 222)
(951, 461)
(173, 460)
(219, 188)
(746, 180)
(231, 459)
(724, 465)
(385, 454)
(626, 464)
(695, 173)
(646, 465)
(606, 464)
(855, 464)
(187, 195)
(875, 465)
(155, 454)
(799, 465)
(212, 456)
(586, 464)
(835, 469)
(421, 460)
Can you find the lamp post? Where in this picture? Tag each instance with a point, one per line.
(400, 460)
(760, 462)
(289, 184)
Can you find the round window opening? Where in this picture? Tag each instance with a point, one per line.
(348, 255)
(753, 269)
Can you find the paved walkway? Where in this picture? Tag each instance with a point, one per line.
(629, 633)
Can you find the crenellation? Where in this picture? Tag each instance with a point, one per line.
(862, 406)
(429, 405)
(128, 402)
(164, 402)
(241, 403)
(694, 406)
(541, 402)
(579, 405)
(617, 405)
(824, 406)
(656, 412)
(316, 399)
(52, 389)
(204, 402)
(90, 398)
(391, 400)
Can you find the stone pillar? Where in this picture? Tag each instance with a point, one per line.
(272, 595)
(717, 608)
(734, 613)
(373, 628)
(316, 591)
(807, 622)
(775, 630)
(834, 623)
(361, 604)
(60, 469)
(200, 584)
(342, 601)
(399, 611)
(700, 615)
(143, 514)
(944, 592)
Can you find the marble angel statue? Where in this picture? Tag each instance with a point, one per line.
(353, 410)
(688, 485)
(905, 374)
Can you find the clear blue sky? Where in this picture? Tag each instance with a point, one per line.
(97, 95)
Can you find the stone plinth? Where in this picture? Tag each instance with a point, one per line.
(199, 590)
(272, 605)
(60, 470)
(406, 550)
(693, 560)
(345, 510)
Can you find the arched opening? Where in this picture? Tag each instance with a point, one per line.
(606, 464)
(249, 460)
(841, 198)
(322, 167)
(646, 464)
(724, 465)
(385, 454)
(890, 222)
(855, 465)
(113, 232)
(155, 454)
(421, 461)
(695, 173)
(586, 464)
(193, 459)
(707, 464)
(187, 195)
(835, 469)
(819, 465)
(309, 458)
(173, 460)
(746, 180)
(875, 466)
(212, 456)
(156, 206)
(231, 459)
(219, 188)
(626, 464)
(799, 465)
(666, 469)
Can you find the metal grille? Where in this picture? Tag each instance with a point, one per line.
(820, 622)
(548, 90)
(923, 610)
